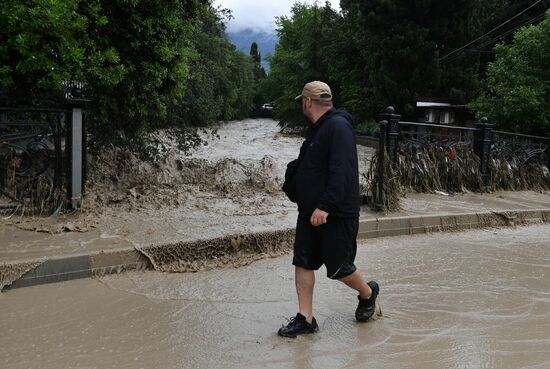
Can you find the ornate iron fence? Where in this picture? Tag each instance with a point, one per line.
(519, 161)
(451, 157)
(35, 158)
(43, 150)
(527, 148)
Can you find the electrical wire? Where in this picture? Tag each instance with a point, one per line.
(495, 39)
(491, 31)
(512, 30)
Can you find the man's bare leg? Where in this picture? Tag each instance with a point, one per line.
(356, 281)
(305, 281)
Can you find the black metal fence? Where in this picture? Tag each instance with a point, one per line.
(36, 158)
(497, 154)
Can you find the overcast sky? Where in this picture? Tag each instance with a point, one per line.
(259, 14)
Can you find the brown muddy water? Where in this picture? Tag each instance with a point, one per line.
(478, 299)
(232, 182)
(230, 186)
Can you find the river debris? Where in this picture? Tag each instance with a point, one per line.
(448, 170)
(518, 175)
(392, 190)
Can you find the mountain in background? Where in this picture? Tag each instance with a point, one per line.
(266, 42)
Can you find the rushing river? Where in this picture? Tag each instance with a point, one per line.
(231, 185)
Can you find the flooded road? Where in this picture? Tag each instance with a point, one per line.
(478, 299)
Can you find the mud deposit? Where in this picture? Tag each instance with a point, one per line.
(478, 299)
(245, 162)
(229, 187)
(192, 256)
(9, 273)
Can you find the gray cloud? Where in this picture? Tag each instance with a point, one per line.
(256, 14)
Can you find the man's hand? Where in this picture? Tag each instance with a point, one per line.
(318, 217)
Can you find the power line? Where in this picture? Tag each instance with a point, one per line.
(525, 23)
(500, 36)
(494, 29)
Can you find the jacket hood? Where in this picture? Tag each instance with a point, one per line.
(334, 113)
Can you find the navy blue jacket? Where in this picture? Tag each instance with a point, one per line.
(328, 176)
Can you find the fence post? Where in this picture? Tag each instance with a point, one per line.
(76, 157)
(76, 145)
(381, 164)
(392, 132)
(482, 146)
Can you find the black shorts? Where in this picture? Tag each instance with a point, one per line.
(333, 244)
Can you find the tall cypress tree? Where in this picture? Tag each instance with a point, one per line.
(259, 74)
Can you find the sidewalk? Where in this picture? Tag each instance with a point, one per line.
(78, 246)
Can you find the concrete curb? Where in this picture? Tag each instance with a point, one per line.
(64, 268)
(409, 225)
(68, 267)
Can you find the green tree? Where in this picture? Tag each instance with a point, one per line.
(401, 43)
(299, 58)
(375, 54)
(42, 44)
(221, 82)
(254, 53)
(468, 42)
(518, 82)
(152, 43)
(132, 55)
(146, 64)
(259, 74)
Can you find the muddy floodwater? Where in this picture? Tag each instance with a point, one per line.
(231, 185)
(478, 299)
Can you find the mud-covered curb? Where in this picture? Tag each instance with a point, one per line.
(240, 249)
(234, 250)
(408, 225)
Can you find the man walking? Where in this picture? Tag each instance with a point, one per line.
(327, 194)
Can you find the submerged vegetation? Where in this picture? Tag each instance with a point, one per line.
(517, 175)
(436, 168)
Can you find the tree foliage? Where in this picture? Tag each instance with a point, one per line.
(390, 52)
(150, 64)
(373, 54)
(518, 91)
(220, 86)
(146, 64)
(39, 46)
(259, 97)
(299, 57)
